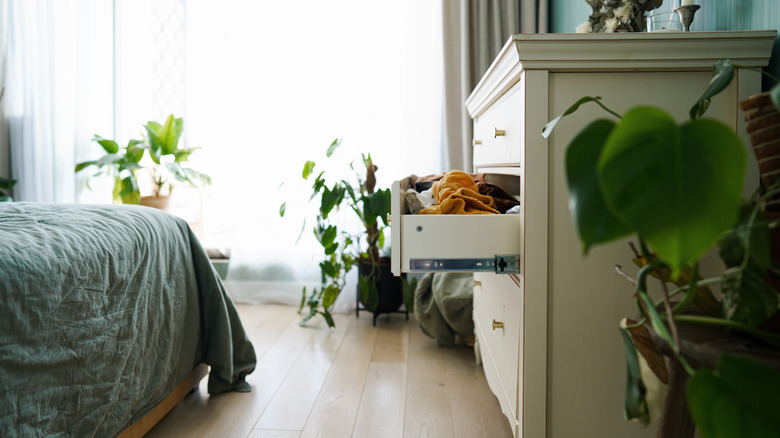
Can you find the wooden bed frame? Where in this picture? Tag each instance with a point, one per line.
(145, 424)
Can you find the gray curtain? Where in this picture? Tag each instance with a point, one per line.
(474, 31)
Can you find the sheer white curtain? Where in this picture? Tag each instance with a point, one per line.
(267, 85)
(270, 85)
(58, 88)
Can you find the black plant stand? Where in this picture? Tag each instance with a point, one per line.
(376, 314)
(390, 292)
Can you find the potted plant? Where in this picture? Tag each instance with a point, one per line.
(120, 165)
(345, 247)
(5, 185)
(677, 189)
(164, 167)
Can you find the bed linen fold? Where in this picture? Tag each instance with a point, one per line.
(104, 309)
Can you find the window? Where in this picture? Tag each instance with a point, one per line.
(264, 86)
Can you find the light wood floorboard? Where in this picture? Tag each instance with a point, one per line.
(334, 413)
(392, 340)
(381, 412)
(359, 380)
(428, 407)
(274, 434)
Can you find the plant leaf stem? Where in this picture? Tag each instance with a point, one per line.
(638, 324)
(690, 294)
(668, 308)
(725, 323)
(767, 74)
(623, 274)
(598, 102)
(705, 282)
(656, 320)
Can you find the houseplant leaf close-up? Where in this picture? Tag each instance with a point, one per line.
(594, 222)
(678, 186)
(164, 138)
(736, 400)
(6, 184)
(722, 72)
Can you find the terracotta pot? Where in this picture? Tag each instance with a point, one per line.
(159, 202)
(763, 127)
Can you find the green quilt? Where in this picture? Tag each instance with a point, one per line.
(443, 306)
(103, 311)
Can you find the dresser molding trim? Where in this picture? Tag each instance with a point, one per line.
(649, 51)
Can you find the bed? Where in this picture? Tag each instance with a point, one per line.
(106, 313)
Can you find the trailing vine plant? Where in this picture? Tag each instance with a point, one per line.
(343, 246)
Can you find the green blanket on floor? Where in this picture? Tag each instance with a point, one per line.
(443, 304)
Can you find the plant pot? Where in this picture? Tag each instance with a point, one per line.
(763, 127)
(159, 202)
(774, 248)
(772, 279)
(388, 286)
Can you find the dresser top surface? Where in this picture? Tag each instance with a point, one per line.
(572, 50)
(643, 36)
(614, 52)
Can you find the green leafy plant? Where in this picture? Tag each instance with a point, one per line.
(5, 185)
(161, 143)
(677, 189)
(345, 247)
(120, 165)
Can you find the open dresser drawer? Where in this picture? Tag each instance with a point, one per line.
(453, 243)
(487, 245)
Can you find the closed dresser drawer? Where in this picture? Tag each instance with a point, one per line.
(498, 133)
(498, 318)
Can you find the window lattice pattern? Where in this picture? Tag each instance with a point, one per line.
(168, 25)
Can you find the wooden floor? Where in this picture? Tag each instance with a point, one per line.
(356, 381)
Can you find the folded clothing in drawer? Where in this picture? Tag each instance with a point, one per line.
(453, 242)
(455, 192)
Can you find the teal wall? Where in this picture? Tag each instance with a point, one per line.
(566, 15)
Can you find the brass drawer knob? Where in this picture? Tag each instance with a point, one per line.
(499, 133)
(497, 325)
(476, 142)
(477, 283)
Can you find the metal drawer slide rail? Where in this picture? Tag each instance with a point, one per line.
(500, 264)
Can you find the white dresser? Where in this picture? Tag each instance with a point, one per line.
(549, 338)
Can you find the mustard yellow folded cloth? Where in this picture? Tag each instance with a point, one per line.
(450, 183)
(463, 201)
